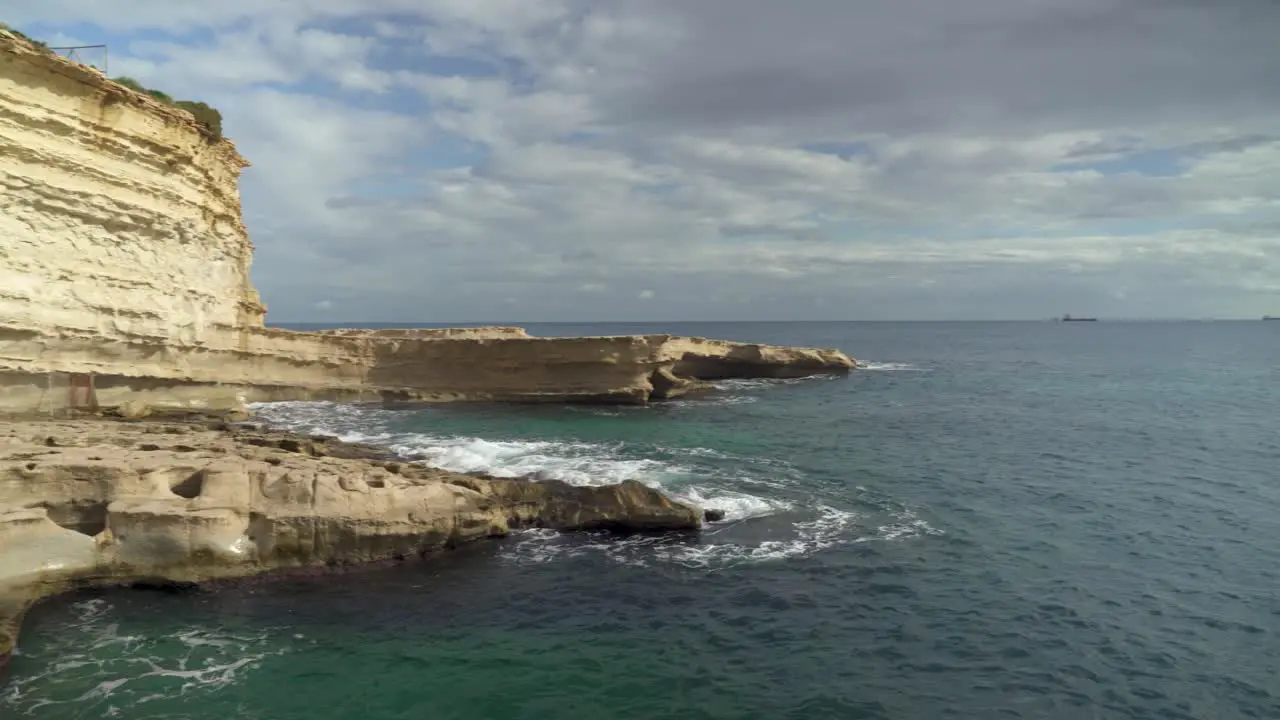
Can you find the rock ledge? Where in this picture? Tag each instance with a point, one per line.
(94, 501)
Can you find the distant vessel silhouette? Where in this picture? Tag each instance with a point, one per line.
(1068, 318)
(1271, 317)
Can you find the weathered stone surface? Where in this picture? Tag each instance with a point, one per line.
(115, 502)
(666, 385)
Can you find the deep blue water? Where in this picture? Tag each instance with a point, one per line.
(996, 520)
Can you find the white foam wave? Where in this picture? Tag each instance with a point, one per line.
(574, 463)
(713, 401)
(137, 670)
(693, 474)
(321, 418)
(906, 526)
(887, 366)
(827, 528)
(735, 505)
(588, 464)
(776, 464)
(763, 383)
(609, 410)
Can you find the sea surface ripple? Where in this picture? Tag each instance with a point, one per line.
(1014, 520)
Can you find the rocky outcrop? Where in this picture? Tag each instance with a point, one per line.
(703, 359)
(123, 257)
(95, 502)
(284, 365)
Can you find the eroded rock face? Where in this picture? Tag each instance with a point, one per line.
(100, 502)
(704, 359)
(125, 499)
(120, 215)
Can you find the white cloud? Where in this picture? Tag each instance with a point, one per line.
(456, 159)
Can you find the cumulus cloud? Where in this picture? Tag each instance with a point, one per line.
(440, 160)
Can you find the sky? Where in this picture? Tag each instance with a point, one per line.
(585, 160)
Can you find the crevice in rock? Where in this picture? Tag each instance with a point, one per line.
(668, 385)
(700, 367)
(191, 487)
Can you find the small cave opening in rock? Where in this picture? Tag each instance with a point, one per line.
(189, 488)
(88, 518)
(161, 585)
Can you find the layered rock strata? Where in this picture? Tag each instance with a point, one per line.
(120, 215)
(98, 502)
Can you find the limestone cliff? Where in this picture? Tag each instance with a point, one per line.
(124, 260)
(120, 214)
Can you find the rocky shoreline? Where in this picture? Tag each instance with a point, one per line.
(186, 498)
(145, 308)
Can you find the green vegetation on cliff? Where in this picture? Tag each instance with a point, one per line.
(204, 114)
(40, 44)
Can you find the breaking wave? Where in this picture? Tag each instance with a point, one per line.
(717, 549)
(768, 513)
(888, 366)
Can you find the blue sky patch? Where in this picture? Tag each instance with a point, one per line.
(1150, 163)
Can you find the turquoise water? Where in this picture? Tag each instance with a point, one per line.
(1022, 520)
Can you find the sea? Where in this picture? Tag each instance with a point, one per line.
(986, 520)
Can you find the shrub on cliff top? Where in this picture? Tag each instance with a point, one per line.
(211, 118)
(40, 44)
(204, 114)
(130, 83)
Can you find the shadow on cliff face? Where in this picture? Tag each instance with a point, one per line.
(88, 518)
(190, 488)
